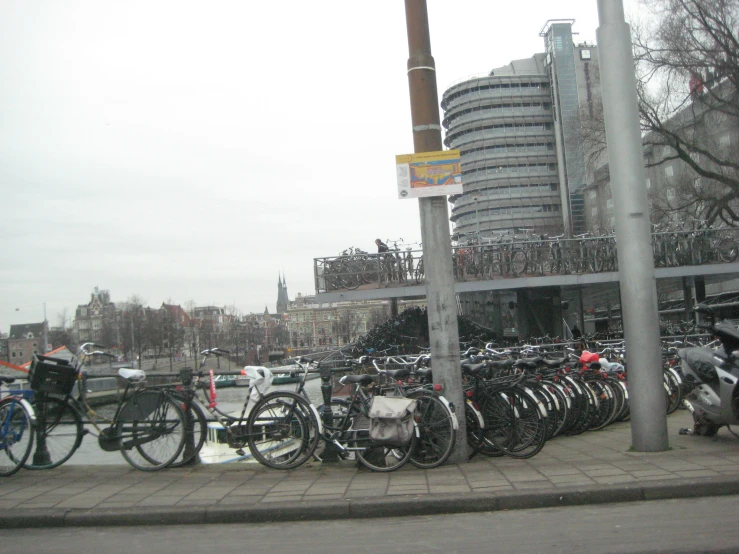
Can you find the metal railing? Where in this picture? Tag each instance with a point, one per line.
(511, 256)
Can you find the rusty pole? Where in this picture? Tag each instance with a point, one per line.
(437, 248)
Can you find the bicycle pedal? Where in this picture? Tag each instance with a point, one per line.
(686, 431)
(241, 452)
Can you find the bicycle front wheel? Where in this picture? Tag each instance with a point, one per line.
(436, 428)
(151, 430)
(58, 432)
(282, 431)
(16, 436)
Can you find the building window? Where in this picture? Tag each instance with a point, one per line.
(670, 193)
(725, 140)
(593, 195)
(609, 203)
(594, 212)
(669, 171)
(649, 183)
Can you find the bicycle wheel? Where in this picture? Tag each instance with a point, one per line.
(196, 431)
(727, 250)
(58, 432)
(436, 428)
(151, 430)
(16, 436)
(282, 431)
(518, 262)
(384, 458)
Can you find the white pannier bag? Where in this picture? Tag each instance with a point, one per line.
(391, 420)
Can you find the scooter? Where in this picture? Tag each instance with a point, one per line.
(713, 377)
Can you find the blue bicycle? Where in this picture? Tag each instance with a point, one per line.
(16, 429)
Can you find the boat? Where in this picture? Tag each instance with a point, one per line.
(224, 381)
(216, 449)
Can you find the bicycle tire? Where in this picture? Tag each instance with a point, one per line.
(61, 432)
(151, 430)
(727, 250)
(518, 262)
(436, 429)
(195, 419)
(282, 431)
(16, 435)
(383, 458)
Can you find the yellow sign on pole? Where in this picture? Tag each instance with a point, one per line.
(429, 174)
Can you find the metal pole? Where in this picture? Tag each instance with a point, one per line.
(437, 247)
(639, 311)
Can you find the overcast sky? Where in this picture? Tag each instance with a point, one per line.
(182, 150)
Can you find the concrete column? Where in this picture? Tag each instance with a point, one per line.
(437, 246)
(636, 266)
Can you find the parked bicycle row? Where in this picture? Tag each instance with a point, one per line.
(508, 255)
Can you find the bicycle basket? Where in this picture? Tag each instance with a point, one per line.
(52, 375)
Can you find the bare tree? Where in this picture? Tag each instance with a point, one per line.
(687, 67)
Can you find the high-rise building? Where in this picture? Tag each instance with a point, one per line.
(518, 130)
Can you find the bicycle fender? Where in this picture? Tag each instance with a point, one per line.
(539, 404)
(31, 413)
(455, 423)
(477, 413)
(318, 419)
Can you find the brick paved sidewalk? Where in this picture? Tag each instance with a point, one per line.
(592, 467)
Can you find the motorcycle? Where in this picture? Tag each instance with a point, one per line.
(713, 377)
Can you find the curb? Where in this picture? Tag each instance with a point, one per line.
(395, 506)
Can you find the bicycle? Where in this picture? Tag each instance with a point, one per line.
(345, 423)
(148, 427)
(277, 427)
(17, 419)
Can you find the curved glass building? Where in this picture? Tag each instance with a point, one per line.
(522, 163)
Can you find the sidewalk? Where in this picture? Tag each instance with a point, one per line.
(595, 467)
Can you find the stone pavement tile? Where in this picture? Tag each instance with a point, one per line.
(158, 500)
(678, 466)
(592, 466)
(271, 499)
(322, 490)
(604, 472)
(79, 502)
(583, 481)
(379, 485)
(561, 471)
(570, 479)
(239, 500)
(196, 502)
(614, 479)
(295, 488)
(494, 488)
(696, 473)
(362, 493)
(129, 497)
(252, 489)
(649, 473)
(520, 485)
(406, 493)
(658, 477)
(444, 489)
(318, 497)
(521, 477)
(114, 504)
(422, 487)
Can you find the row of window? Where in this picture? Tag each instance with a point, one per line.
(499, 128)
(497, 86)
(513, 168)
(499, 108)
(521, 189)
(526, 147)
(507, 210)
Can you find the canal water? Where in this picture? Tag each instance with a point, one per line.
(229, 400)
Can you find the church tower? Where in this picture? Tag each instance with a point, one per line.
(282, 299)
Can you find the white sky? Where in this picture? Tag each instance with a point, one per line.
(184, 150)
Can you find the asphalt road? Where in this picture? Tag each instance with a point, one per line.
(692, 525)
